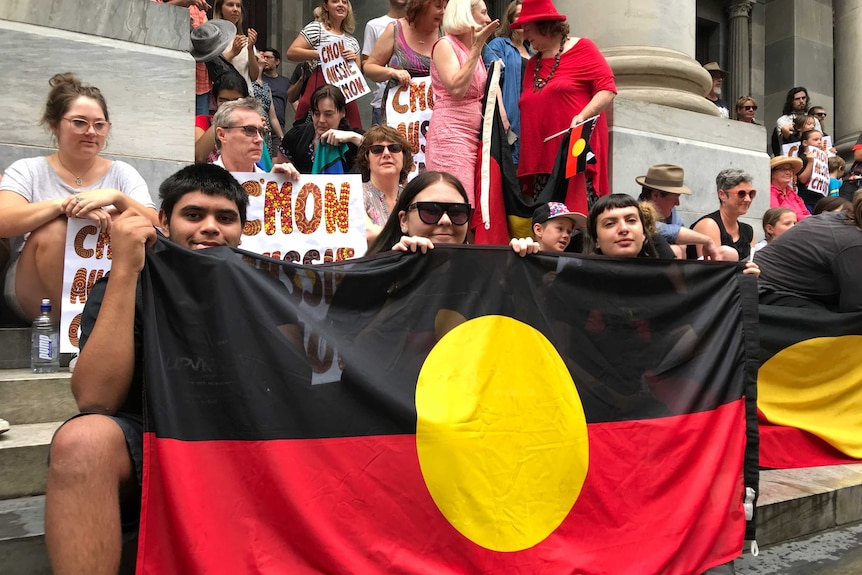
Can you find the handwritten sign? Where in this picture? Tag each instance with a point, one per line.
(408, 110)
(819, 173)
(315, 220)
(792, 148)
(340, 72)
(88, 258)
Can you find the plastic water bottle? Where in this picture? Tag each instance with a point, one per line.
(45, 342)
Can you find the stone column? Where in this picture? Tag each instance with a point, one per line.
(650, 45)
(848, 89)
(739, 13)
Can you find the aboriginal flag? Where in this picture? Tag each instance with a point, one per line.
(579, 147)
(461, 411)
(809, 387)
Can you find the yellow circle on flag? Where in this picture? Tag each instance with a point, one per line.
(816, 385)
(500, 432)
(578, 147)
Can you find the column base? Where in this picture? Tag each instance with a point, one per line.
(661, 76)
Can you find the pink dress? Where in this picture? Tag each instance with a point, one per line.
(452, 141)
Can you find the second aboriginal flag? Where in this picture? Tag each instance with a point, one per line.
(487, 414)
(579, 147)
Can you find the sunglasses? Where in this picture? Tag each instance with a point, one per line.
(742, 193)
(377, 149)
(819, 114)
(250, 131)
(748, 107)
(431, 212)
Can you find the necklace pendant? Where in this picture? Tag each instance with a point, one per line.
(79, 182)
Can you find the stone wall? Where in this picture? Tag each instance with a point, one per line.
(135, 51)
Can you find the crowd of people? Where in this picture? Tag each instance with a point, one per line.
(551, 82)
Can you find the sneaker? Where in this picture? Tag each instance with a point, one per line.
(72, 363)
(4, 426)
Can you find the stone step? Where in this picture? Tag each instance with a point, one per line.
(22, 541)
(798, 502)
(27, 397)
(14, 347)
(24, 459)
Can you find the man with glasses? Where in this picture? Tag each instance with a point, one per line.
(718, 75)
(735, 194)
(662, 186)
(240, 130)
(277, 83)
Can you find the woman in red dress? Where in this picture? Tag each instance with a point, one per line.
(566, 82)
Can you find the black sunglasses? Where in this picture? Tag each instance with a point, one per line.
(431, 212)
(377, 149)
(748, 107)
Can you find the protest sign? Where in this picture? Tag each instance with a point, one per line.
(340, 72)
(88, 258)
(408, 110)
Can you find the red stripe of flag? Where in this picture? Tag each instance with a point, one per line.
(656, 500)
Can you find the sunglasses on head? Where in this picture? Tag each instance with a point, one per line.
(742, 193)
(377, 149)
(431, 212)
(748, 107)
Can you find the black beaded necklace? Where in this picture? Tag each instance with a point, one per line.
(539, 82)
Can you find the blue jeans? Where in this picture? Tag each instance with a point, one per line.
(376, 116)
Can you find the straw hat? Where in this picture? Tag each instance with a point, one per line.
(714, 67)
(795, 163)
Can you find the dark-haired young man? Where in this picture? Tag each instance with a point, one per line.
(94, 473)
(276, 82)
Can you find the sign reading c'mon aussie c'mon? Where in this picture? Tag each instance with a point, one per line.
(408, 110)
(340, 72)
(318, 219)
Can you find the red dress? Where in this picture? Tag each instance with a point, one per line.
(583, 72)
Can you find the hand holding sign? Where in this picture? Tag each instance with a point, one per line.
(340, 68)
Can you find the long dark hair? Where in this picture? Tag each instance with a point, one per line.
(788, 101)
(391, 232)
(612, 202)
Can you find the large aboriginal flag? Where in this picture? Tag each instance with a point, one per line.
(465, 411)
(810, 387)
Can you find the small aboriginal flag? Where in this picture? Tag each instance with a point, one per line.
(579, 147)
(461, 411)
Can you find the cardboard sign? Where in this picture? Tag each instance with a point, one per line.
(408, 110)
(88, 258)
(340, 72)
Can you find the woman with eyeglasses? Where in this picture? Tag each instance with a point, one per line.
(735, 194)
(37, 195)
(300, 144)
(432, 209)
(746, 108)
(384, 160)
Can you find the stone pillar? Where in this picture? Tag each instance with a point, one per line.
(848, 89)
(650, 45)
(739, 13)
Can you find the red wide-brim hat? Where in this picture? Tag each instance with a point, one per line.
(536, 11)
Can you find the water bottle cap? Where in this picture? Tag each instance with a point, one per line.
(46, 305)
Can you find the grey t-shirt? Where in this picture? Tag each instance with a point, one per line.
(817, 259)
(36, 181)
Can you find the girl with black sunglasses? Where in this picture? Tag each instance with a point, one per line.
(432, 209)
